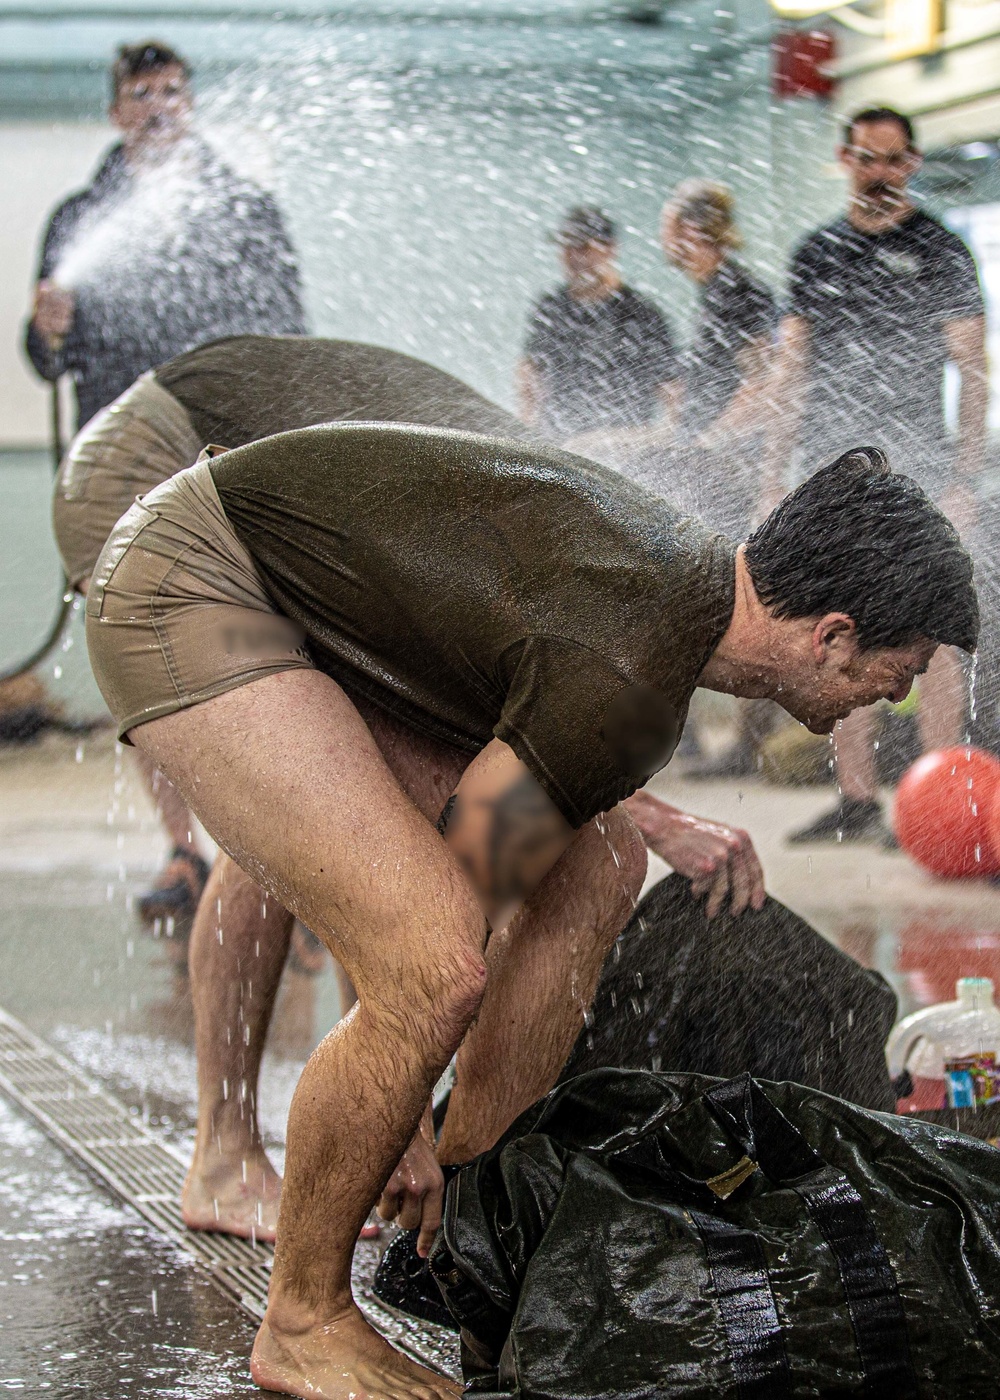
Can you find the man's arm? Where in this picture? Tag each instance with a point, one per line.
(530, 393)
(719, 860)
(785, 398)
(273, 268)
(504, 829)
(53, 308)
(966, 344)
(506, 833)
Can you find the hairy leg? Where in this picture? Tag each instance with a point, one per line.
(287, 777)
(239, 943)
(944, 698)
(543, 973)
(854, 744)
(173, 811)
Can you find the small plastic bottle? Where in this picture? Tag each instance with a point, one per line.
(948, 1056)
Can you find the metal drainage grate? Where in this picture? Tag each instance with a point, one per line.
(147, 1173)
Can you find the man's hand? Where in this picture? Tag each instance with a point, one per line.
(414, 1194)
(719, 860)
(52, 313)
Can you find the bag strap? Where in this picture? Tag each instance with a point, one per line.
(870, 1286)
(749, 1313)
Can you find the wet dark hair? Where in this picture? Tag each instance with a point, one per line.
(132, 60)
(860, 539)
(880, 114)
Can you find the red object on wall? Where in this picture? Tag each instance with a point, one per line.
(799, 58)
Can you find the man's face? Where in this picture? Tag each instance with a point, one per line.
(879, 164)
(679, 240)
(838, 676)
(587, 263)
(154, 108)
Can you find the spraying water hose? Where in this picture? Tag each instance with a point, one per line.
(58, 626)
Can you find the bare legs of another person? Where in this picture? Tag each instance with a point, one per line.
(178, 887)
(941, 711)
(290, 779)
(239, 944)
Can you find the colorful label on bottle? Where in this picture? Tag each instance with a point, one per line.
(972, 1081)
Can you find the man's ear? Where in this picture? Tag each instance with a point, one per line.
(834, 639)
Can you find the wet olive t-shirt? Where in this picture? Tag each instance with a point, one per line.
(246, 387)
(479, 586)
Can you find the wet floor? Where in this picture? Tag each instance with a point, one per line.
(92, 1301)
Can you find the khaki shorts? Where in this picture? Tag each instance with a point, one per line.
(141, 439)
(177, 612)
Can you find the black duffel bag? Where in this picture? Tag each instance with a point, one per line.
(762, 993)
(640, 1234)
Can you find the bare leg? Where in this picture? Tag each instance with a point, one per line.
(944, 695)
(543, 973)
(312, 810)
(854, 742)
(173, 811)
(239, 942)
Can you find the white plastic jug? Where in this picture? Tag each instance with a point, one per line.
(951, 1051)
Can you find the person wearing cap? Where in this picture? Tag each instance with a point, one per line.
(599, 361)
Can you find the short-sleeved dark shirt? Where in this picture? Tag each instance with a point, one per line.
(601, 363)
(477, 586)
(247, 387)
(877, 306)
(216, 259)
(734, 310)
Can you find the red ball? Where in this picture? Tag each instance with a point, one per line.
(943, 812)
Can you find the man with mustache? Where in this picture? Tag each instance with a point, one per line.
(879, 302)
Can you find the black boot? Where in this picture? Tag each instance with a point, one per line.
(853, 819)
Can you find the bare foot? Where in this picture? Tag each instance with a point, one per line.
(345, 1359)
(233, 1197)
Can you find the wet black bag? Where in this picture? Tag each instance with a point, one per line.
(639, 1234)
(761, 994)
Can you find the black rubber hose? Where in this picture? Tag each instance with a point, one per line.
(55, 631)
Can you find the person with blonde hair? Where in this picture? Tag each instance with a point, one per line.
(720, 416)
(719, 430)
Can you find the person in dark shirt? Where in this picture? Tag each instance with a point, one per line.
(712, 465)
(720, 414)
(879, 302)
(599, 358)
(166, 247)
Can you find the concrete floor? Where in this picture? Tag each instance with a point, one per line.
(77, 842)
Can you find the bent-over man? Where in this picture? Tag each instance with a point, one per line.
(330, 637)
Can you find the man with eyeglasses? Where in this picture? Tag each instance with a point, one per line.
(165, 249)
(879, 302)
